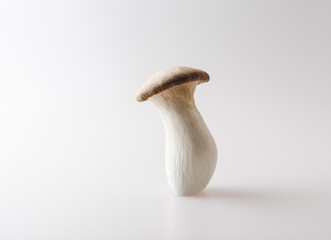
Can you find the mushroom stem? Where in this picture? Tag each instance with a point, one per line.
(191, 152)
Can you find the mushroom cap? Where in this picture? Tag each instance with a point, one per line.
(169, 78)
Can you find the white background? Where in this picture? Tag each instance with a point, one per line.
(81, 159)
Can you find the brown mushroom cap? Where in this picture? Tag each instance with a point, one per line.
(169, 78)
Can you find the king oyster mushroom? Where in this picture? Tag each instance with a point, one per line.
(191, 152)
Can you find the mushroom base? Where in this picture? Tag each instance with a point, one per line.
(191, 152)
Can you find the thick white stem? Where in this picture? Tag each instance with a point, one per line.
(191, 152)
